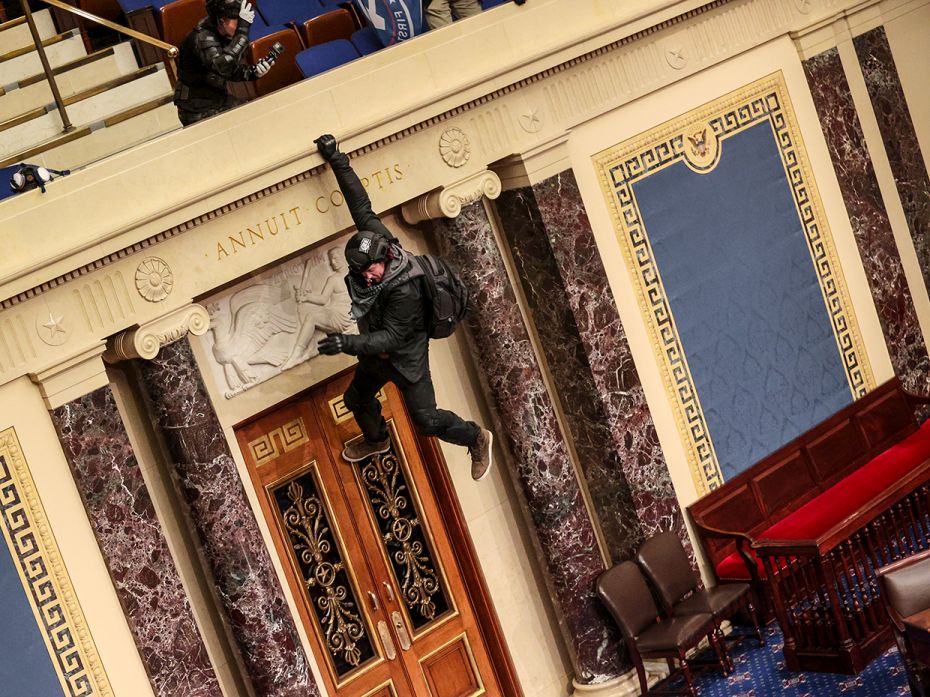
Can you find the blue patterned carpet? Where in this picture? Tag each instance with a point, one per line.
(760, 672)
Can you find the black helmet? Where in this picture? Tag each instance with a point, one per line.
(223, 8)
(365, 248)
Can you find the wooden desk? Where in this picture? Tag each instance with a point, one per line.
(917, 630)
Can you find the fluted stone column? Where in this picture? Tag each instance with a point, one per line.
(545, 473)
(868, 217)
(124, 522)
(242, 571)
(586, 348)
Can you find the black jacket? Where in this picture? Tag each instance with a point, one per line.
(395, 325)
(206, 61)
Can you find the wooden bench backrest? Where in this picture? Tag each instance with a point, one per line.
(797, 472)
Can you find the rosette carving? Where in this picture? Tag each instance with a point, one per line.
(154, 279)
(454, 147)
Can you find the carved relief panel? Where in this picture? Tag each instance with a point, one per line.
(272, 322)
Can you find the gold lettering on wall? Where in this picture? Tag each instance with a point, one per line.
(257, 232)
(264, 230)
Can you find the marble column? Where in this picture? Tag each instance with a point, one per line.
(586, 348)
(900, 138)
(133, 545)
(869, 219)
(244, 577)
(544, 470)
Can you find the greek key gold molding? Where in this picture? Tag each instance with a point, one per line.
(448, 201)
(599, 79)
(291, 435)
(45, 580)
(340, 412)
(146, 340)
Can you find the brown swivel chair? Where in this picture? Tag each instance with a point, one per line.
(285, 71)
(666, 564)
(905, 587)
(338, 23)
(176, 19)
(623, 590)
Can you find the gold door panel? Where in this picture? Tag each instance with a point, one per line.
(406, 542)
(317, 552)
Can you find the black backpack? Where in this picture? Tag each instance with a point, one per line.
(445, 296)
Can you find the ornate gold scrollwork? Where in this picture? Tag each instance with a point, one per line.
(403, 537)
(325, 577)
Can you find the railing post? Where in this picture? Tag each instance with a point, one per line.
(66, 124)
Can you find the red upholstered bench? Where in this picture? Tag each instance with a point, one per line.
(815, 516)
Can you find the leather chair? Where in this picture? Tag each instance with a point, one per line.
(285, 71)
(623, 590)
(905, 587)
(666, 564)
(338, 23)
(176, 19)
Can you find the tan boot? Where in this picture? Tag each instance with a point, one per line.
(481, 455)
(358, 450)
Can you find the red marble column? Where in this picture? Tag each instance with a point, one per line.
(242, 571)
(900, 138)
(586, 348)
(134, 548)
(869, 219)
(561, 521)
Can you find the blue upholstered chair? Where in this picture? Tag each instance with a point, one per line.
(366, 41)
(318, 59)
(287, 11)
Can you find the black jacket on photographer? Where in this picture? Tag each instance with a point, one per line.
(390, 314)
(207, 60)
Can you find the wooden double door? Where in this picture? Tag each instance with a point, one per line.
(365, 551)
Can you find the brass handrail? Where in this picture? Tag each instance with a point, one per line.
(172, 51)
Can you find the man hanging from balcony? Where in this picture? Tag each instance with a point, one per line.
(210, 56)
(388, 305)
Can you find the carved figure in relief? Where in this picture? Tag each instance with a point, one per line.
(388, 289)
(243, 333)
(320, 312)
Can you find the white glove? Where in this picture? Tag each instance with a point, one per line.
(262, 67)
(246, 13)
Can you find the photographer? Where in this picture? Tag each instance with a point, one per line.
(393, 343)
(210, 56)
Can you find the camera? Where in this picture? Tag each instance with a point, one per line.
(277, 48)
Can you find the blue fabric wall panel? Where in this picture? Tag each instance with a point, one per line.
(26, 668)
(741, 285)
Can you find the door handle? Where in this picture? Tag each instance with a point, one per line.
(373, 599)
(386, 640)
(389, 590)
(401, 630)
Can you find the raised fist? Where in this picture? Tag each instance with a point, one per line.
(327, 146)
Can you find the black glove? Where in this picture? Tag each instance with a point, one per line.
(328, 147)
(333, 343)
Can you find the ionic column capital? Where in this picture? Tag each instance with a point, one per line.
(448, 201)
(147, 339)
